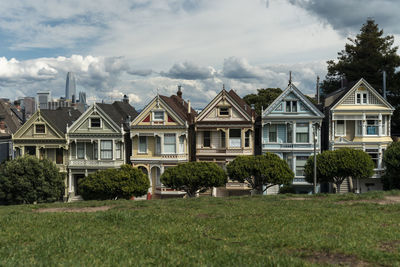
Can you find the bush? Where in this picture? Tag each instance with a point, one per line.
(114, 183)
(391, 159)
(29, 180)
(193, 177)
(287, 189)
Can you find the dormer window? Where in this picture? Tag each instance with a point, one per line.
(224, 111)
(40, 128)
(95, 123)
(291, 106)
(362, 98)
(158, 116)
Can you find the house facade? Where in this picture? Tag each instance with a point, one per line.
(359, 117)
(289, 126)
(98, 140)
(44, 136)
(10, 121)
(225, 130)
(161, 135)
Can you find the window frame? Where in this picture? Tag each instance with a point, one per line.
(344, 128)
(172, 144)
(80, 150)
(208, 138)
(106, 150)
(140, 139)
(233, 137)
(118, 150)
(297, 167)
(100, 123)
(154, 117)
(223, 108)
(303, 133)
(44, 128)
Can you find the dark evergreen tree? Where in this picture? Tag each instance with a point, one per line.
(263, 98)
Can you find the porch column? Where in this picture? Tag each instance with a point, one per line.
(176, 143)
(84, 150)
(364, 124)
(37, 152)
(70, 182)
(294, 133)
(333, 130)
(98, 149)
(380, 156)
(380, 128)
(242, 133)
(113, 149)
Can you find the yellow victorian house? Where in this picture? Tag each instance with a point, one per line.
(359, 117)
(160, 135)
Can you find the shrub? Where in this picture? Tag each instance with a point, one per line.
(29, 180)
(114, 183)
(391, 159)
(287, 189)
(193, 177)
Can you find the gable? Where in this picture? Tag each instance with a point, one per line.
(37, 128)
(292, 103)
(360, 96)
(223, 108)
(95, 121)
(157, 112)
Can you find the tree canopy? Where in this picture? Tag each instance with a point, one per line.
(29, 180)
(262, 170)
(366, 56)
(391, 159)
(114, 183)
(263, 98)
(194, 177)
(337, 165)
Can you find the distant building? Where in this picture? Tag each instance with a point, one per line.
(70, 86)
(28, 104)
(43, 99)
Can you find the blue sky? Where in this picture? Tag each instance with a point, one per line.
(135, 47)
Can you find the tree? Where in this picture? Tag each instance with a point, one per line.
(365, 56)
(194, 177)
(263, 98)
(30, 180)
(335, 166)
(114, 183)
(262, 170)
(391, 159)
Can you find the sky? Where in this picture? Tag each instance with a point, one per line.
(141, 47)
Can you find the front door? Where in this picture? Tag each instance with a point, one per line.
(77, 178)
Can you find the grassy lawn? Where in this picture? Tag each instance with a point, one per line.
(356, 230)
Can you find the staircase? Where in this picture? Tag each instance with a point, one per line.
(73, 198)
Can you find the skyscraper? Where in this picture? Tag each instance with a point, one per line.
(70, 87)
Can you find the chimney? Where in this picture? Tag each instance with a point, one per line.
(179, 93)
(125, 99)
(384, 84)
(318, 101)
(189, 109)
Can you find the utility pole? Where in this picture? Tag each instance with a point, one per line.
(315, 157)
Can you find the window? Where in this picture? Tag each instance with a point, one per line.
(272, 133)
(340, 127)
(289, 133)
(373, 153)
(182, 144)
(247, 139)
(59, 156)
(223, 139)
(30, 150)
(106, 149)
(158, 115)
(40, 128)
(223, 111)
(361, 98)
(206, 139)
(158, 145)
(169, 143)
(142, 144)
(235, 136)
(80, 150)
(372, 125)
(288, 157)
(383, 156)
(300, 162)
(118, 150)
(359, 127)
(291, 106)
(95, 123)
(95, 150)
(384, 125)
(302, 135)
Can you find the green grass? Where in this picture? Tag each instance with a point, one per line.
(252, 231)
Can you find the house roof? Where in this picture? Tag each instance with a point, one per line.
(61, 117)
(246, 108)
(180, 107)
(334, 97)
(11, 116)
(118, 111)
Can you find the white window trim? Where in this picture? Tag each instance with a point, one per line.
(112, 150)
(366, 127)
(90, 123)
(361, 98)
(40, 123)
(344, 128)
(227, 115)
(153, 118)
(163, 144)
(141, 152)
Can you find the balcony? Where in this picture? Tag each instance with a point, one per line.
(161, 157)
(289, 146)
(82, 163)
(224, 151)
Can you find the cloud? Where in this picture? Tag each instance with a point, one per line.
(189, 71)
(348, 16)
(239, 68)
(140, 72)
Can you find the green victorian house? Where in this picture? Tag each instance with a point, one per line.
(44, 135)
(99, 139)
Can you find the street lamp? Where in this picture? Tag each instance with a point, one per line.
(315, 137)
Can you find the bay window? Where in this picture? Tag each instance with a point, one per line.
(235, 138)
(374, 154)
(182, 144)
(302, 133)
(80, 150)
(372, 125)
(118, 150)
(340, 127)
(300, 163)
(206, 139)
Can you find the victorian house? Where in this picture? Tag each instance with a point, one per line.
(160, 139)
(224, 130)
(44, 136)
(98, 140)
(290, 125)
(357, 116)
